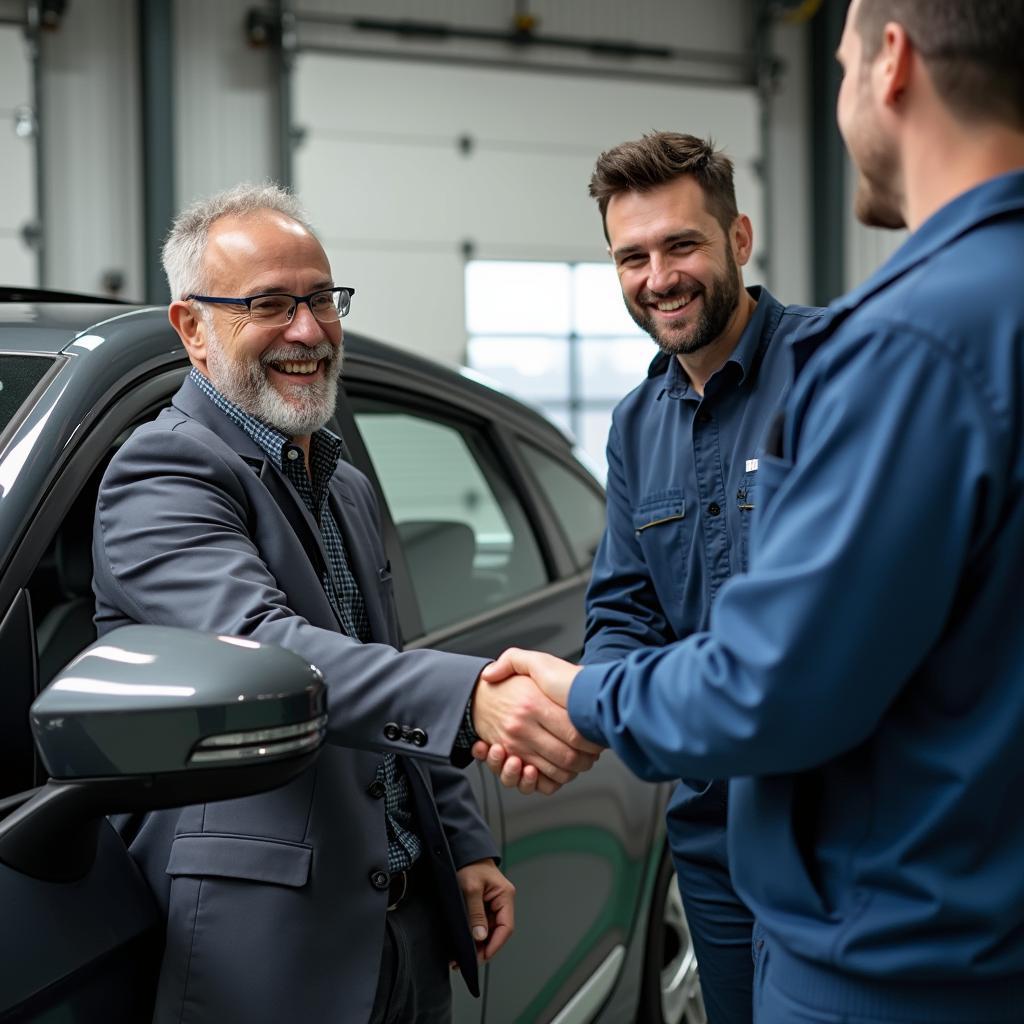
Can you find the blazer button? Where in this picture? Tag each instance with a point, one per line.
(391, 731)
(418, 738)
(376, 790)
(380, 879)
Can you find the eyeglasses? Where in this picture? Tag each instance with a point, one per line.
(275, 309)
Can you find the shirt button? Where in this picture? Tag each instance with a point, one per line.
(714, 509)
(291, 454)
(376, 790)
(380, 879)
(391, 731)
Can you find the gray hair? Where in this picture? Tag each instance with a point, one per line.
(185, 247)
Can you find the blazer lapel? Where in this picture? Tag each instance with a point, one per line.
(299, 517)
(191, 401)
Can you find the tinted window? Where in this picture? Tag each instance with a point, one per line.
(577, 503)
(466, 539)
(18, 376)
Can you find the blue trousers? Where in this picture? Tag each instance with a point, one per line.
(720, 924)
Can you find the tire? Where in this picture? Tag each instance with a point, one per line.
(670, 992)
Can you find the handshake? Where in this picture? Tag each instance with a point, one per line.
(526, 737)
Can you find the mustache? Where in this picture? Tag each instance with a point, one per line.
(681, 292)
(300, 353)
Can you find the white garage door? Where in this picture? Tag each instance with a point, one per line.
(17, 160)
(401, 164)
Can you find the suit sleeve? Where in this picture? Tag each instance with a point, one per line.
(856, 558)
(468, 835)
(173, 546)
(623, 610)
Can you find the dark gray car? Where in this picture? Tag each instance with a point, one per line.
(490, 524)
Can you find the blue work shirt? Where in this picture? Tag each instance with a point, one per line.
(863, 683)
(682, 486)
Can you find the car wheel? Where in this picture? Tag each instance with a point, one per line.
(671, 985)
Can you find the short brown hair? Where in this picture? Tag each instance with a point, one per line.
(972, 49)
(661, 157)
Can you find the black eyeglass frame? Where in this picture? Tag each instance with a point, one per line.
(248, 300)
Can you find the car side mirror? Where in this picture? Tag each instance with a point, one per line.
(151, 717)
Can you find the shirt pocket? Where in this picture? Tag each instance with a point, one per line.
(771, 472)
(662, 527)
(770, 475)
(748, 498)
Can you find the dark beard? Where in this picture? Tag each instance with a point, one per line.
(875, 208)
(720, 302)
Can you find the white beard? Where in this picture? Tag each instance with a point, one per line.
(247, 385)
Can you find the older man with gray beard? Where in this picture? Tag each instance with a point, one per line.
(344, 895)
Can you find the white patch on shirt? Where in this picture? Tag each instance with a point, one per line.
(751, 465)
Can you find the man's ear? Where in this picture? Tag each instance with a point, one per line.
(893, 63)
(741, 238)
(189, 326)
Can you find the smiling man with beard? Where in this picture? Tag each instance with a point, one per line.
(682, 473)
(344, 895)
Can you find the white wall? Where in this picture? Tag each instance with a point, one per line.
(226, 129)
(722, 27)
(395, 198)
(225, 97)
(790, 155)
(91, 146)
(17, 161)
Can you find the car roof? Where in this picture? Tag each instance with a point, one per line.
(74, 328)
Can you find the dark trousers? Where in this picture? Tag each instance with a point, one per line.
(721, 926)
(414, 984)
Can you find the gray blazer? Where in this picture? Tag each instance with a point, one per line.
(271, 914)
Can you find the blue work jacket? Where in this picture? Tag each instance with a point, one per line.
(682, 487)
(863, 683)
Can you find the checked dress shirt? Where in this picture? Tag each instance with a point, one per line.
(339, 584)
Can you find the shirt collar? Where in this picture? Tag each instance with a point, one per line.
(326, 447)
(991, 199)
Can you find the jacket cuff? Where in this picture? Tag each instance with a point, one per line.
(583, 697)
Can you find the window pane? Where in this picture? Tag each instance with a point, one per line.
(466, 539)
(18, 376)
(597, 301)
(594, 427)
(533, 369)
(577, 504)
(612, 367)
(505, 297)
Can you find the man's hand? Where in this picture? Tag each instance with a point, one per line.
(515, 715)
(513, 766)
(553, 675)
(490, 905)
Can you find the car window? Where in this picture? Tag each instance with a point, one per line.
(18, 376)
(577, 503)
(466, 539)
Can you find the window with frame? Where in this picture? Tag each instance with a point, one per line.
(577, 504)
(467, 542)
(556, 335)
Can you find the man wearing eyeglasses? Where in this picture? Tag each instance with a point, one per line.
(344, 895)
